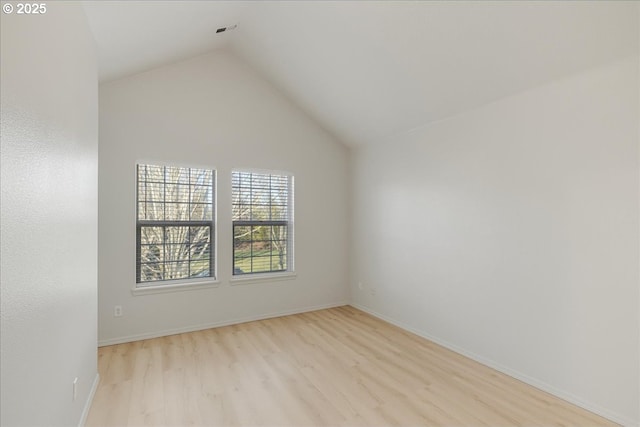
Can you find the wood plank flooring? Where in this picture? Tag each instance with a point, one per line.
(335, 367)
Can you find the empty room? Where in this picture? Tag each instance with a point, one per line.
(320, 213)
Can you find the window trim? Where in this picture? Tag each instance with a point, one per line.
(276, 276)
(176, 285)
(173, 285)
(289, 223)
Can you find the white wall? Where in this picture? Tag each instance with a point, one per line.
(214, 111)
(510, 233)
(49, 216)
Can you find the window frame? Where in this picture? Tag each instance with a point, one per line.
(289, 272)
(166, 285)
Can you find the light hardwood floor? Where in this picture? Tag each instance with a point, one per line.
(335, 367)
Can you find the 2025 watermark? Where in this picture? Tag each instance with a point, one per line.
(25, 8)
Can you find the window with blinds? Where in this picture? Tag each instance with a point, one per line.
(262, 209)
(175, 223)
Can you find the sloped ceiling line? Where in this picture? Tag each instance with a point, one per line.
(369, 70)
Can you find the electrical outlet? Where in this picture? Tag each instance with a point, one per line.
(75, 389)
(360, 285)
(373, 292)
(117, 311)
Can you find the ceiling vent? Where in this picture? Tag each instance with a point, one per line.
(229, 28)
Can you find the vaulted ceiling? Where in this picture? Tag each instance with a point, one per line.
(367, 70)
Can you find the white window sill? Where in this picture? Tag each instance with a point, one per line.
(174, 287)
(258, 278)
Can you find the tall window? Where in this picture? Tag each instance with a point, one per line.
(175, 225)
(262, 222)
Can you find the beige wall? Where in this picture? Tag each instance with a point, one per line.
(49, 216)
(510, 233)
(214, 111)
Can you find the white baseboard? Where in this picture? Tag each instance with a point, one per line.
(166, 332)
(87, 404)
(569, 397)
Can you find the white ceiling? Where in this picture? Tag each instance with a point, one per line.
(367, 70)
(134, 36)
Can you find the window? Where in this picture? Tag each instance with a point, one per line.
(262, 222)
(175, 223)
